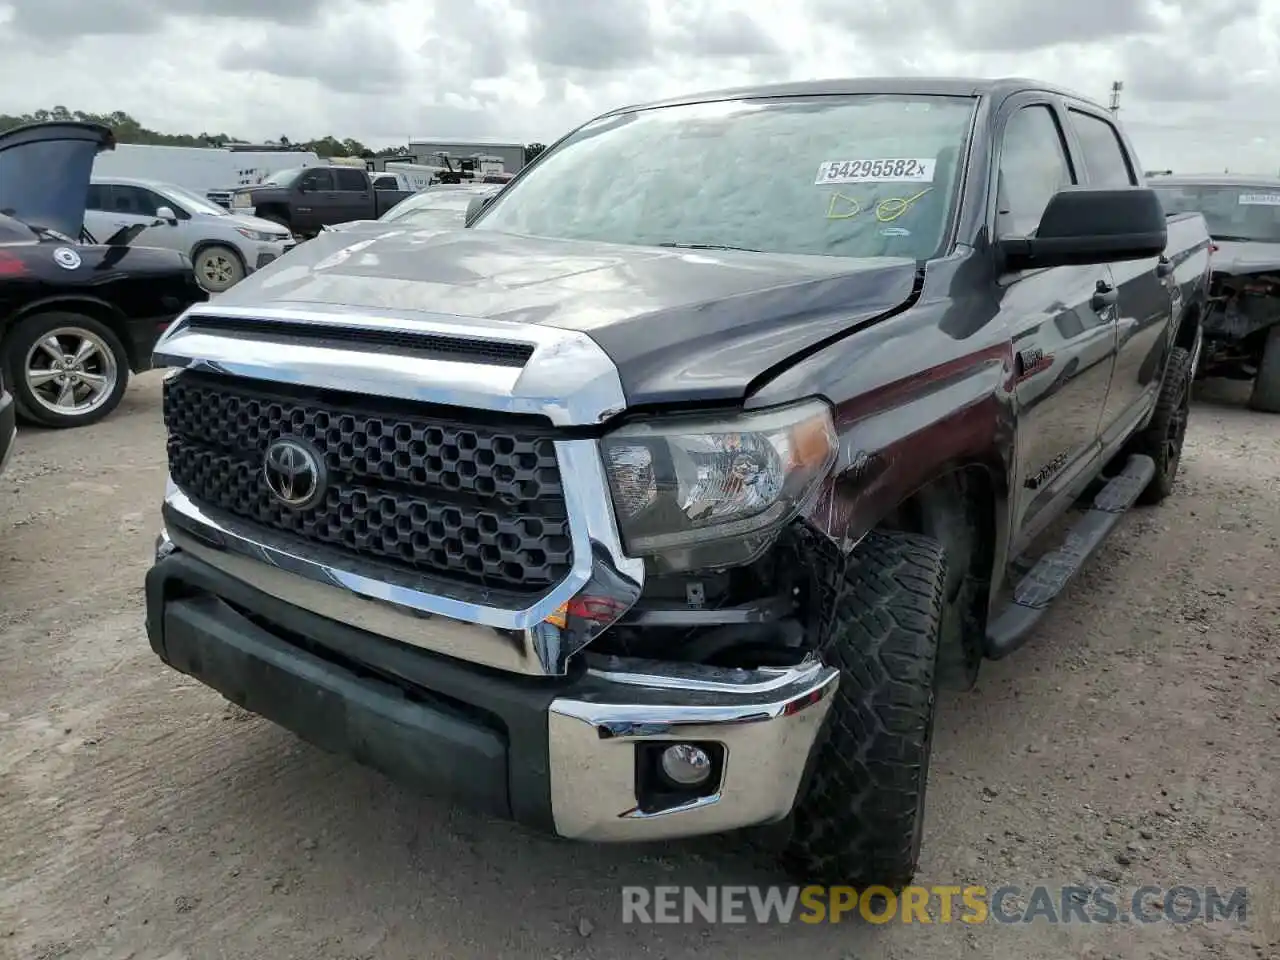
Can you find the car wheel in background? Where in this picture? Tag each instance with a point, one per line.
(218, 268)
(65, 369)
(1266, 385)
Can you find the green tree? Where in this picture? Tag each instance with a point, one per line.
(531, 151)
(129, 130)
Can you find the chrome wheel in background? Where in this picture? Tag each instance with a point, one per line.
(64, 369)
(70, 371)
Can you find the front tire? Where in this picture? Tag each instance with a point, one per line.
(860, 819)
(1266, 385)
(67, 369)
(1163, 438)
(218, 268)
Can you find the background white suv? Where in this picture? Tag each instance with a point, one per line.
(223, 245)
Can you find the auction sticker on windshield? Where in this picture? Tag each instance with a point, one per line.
(1260, 199)
(894, 170)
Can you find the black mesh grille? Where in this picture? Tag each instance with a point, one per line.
(480, 504)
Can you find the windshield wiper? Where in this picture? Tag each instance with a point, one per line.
(47, 233)
(705, 246)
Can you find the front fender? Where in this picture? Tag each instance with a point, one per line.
(904, 436)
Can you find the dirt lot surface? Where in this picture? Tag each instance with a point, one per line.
(1135, 740)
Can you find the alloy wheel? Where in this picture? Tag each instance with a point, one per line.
(70, 371)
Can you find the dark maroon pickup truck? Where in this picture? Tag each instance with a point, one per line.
(661, 499)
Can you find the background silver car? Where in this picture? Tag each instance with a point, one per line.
(442, 205)
(223, 245)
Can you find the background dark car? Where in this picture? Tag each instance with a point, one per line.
(76, 317)
(309, 199)
(1242, 324)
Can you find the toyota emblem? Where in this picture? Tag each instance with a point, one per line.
(294, 474)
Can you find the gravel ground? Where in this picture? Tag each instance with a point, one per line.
(1135, 740)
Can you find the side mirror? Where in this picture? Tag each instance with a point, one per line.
(166, 215)
(474, 208)
(1083, 225)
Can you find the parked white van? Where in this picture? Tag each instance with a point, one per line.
(223, 245)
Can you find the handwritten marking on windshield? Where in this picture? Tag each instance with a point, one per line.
(886, 210)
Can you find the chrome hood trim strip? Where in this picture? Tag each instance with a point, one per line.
(569, 379)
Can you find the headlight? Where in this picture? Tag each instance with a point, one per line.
(258, 235)
(683, 485)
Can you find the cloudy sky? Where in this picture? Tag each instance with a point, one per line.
(1202, 77)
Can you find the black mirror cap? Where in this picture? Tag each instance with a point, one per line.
(1085, 225)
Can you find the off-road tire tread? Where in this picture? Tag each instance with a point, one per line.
(1151, 440)
(1265, 397)
(856, 822)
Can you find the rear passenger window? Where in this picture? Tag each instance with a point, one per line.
(97, 197)
(135, 200)
(1033, 167)
(352, 180)
(1104, 156)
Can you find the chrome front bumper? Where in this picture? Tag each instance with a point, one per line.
(10, 445)
(8, 428)
(766, 722)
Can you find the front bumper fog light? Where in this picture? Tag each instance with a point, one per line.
(686, 765)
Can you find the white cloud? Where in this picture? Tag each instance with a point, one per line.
(1199, 74)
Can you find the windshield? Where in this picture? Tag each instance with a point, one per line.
(443, 203)
(1232, 212)
(284, 178)
(193, 201)
(856, 176)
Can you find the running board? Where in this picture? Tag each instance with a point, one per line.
(1041, 585)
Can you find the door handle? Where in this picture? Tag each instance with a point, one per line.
(1164, 267)
(1104, 295)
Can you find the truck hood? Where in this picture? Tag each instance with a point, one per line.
(680, 325)
(1238, 257)
(347, 226)
(45, 170)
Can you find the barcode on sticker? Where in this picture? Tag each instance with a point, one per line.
(894, 170)
(1260, 199)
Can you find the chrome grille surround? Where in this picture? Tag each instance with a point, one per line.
(567, 379)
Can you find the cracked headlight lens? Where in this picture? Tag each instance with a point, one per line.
(681, 483)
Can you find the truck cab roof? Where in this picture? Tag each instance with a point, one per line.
(995, 88)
